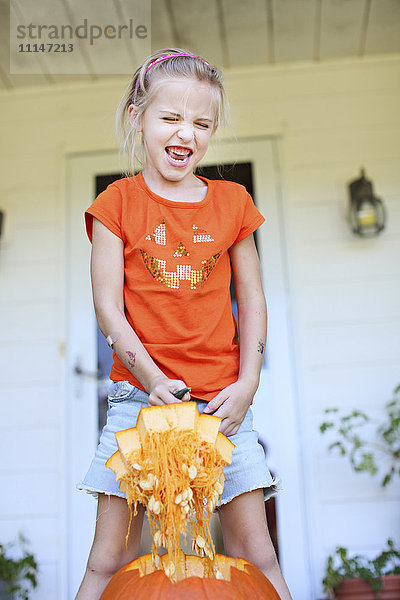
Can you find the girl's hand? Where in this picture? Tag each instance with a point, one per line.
(162, 390)
(231, 404)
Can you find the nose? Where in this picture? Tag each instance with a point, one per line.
(185, 131)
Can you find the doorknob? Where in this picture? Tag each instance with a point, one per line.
(78, 370)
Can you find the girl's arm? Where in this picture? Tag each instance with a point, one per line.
(232, 402)
(107, 270)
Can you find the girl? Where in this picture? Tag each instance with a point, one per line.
(163, 243)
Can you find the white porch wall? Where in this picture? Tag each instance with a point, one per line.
(344, 291)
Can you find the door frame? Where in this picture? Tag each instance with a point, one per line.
(276, 404)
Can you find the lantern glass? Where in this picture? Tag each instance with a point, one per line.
(366, 214)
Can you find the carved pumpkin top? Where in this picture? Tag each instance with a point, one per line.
(177, 276)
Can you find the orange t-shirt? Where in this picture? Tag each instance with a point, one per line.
(177, 277)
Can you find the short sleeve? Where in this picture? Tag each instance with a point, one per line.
(252, 219)
(107, 208)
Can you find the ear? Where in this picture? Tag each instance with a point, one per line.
(133, 115)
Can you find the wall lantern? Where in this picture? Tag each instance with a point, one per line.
(367, 213)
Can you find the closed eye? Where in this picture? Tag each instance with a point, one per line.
(199, 124)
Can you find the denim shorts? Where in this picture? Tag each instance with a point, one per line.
(248, 470)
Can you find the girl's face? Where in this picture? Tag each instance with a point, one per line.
(177, 127)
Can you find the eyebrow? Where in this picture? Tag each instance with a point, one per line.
(175, 114)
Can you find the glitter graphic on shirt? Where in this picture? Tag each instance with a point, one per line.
(181, 251)
(159, 235)
(172, 279)
(200, 235)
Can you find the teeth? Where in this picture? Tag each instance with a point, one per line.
(179, 151)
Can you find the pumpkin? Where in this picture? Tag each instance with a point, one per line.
(172, 462)
(235, 579)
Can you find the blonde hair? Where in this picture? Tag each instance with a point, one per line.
(141, 90)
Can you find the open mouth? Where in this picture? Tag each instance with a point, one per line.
(178, 155)
(172, 279)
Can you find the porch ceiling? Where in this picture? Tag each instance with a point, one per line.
(230, 33)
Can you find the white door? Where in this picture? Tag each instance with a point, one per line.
(275, 404)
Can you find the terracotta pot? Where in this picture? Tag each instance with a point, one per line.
(357, 589)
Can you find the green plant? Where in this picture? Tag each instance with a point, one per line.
(18, 575)
(341, 566)
(366, 454)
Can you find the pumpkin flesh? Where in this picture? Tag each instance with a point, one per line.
(172, 462)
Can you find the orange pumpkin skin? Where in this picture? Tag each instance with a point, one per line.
(246, 581)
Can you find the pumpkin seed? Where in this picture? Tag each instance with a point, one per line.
(200, 541)
(158, 538)
(156, 561)
(219, 487)
(147, 484)
(154, 505)
(211, 505)
(192, 471)
(169, 569)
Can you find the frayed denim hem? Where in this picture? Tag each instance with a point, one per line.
(95, 493)
(269, 491)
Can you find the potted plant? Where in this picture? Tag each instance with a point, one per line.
(360, 578)
(18, 575)
(357, 577)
